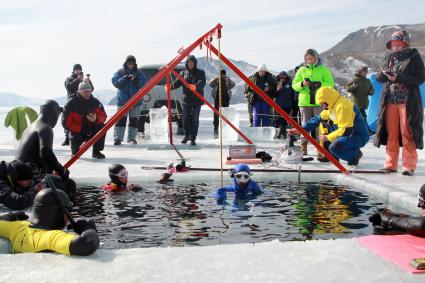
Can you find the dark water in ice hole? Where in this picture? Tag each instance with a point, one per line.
(187, 215)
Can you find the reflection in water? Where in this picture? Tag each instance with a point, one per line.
(189, 215)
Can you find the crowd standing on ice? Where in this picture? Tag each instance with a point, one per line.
(337, 122)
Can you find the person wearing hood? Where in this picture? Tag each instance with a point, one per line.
(16, 180)
(385, 220)
(348, 131)
(84, 116)
(360, 88)
(118, 175)
(226, 94)
(242, 185)
(71, 86)
(312, 75)
(44, 233)
(400, 113)
(36, 147)
(128, 80)
(191, 103)
(260, 109)
(285, 98)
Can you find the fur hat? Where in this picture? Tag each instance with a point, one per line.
(401, 35)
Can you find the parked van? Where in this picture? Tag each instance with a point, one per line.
(157, 97)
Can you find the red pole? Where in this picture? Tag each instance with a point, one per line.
(170, 119)
(278, 109)
(212, 107)
(183, 53)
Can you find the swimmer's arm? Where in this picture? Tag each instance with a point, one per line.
(85, 244)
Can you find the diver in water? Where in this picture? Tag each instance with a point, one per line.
(243, 185)
(119, 178)
(36, 148)
(385, 220)
(44, 232)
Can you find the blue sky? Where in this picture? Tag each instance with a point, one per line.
(41, 40)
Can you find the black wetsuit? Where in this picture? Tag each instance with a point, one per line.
(36, 147)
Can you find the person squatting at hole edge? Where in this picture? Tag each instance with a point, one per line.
(312, 75)
(242, 184)
(400, 114)
(71, 86)
(385, 220)
(44, 232)
(84, 116)
(119, 178)
(16, 185)
(36, 148)
(260, 109)
(128, 80)
(191, 103)
(344, 129)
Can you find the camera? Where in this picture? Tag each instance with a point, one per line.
(313, 87)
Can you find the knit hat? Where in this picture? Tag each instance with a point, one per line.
(401, 35)
(77, 67)
(23, 171)
(262, 67)
(83, 86)
(130, 58)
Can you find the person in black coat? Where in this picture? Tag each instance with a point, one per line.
(285, 97)
(16, 180)
(83, 117)
(191, 103)
(400, 107)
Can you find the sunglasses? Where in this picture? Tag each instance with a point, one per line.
(242, 175)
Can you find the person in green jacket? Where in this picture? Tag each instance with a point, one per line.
(312, 75)
(360, 88)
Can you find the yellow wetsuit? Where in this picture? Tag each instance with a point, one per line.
(32, 240)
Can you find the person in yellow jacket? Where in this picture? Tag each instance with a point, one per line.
(44, 233)
(347, 129)
(312, 75)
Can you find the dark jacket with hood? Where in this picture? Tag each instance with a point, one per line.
(12, 195)
(267, 81)
(411, 73)
(71, 85)
(74, 117)
(127, 88)
(194, 76)
(360, 88)
(285, 97)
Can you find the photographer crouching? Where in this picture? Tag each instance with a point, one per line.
(84, 116)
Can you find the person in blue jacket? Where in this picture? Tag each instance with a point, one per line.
(128, 80)
(243, 185)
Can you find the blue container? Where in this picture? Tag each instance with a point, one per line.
(372, 110)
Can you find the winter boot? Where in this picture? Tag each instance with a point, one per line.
(66, 141)
(321, 157)
(185, 139)
(356, 161)
(304, 147)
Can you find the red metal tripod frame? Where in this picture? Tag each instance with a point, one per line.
(170, 118)
(273, 104)
(212, 107)
(183, 53)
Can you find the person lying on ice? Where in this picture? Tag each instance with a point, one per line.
(386, 220)
(119, 177)
(44, 232)
(347, 129)
(243, 185)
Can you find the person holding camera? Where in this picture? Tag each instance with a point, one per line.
(400, 113)
(226, 94)
(266, 82)
(285, 98)
(84, 116)
(128, 80)
(312, 75)
(71, 86)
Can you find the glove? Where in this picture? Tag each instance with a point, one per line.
(134, 187)
(82, 225)
(16, 215)
(192, 87)
(64, 174)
